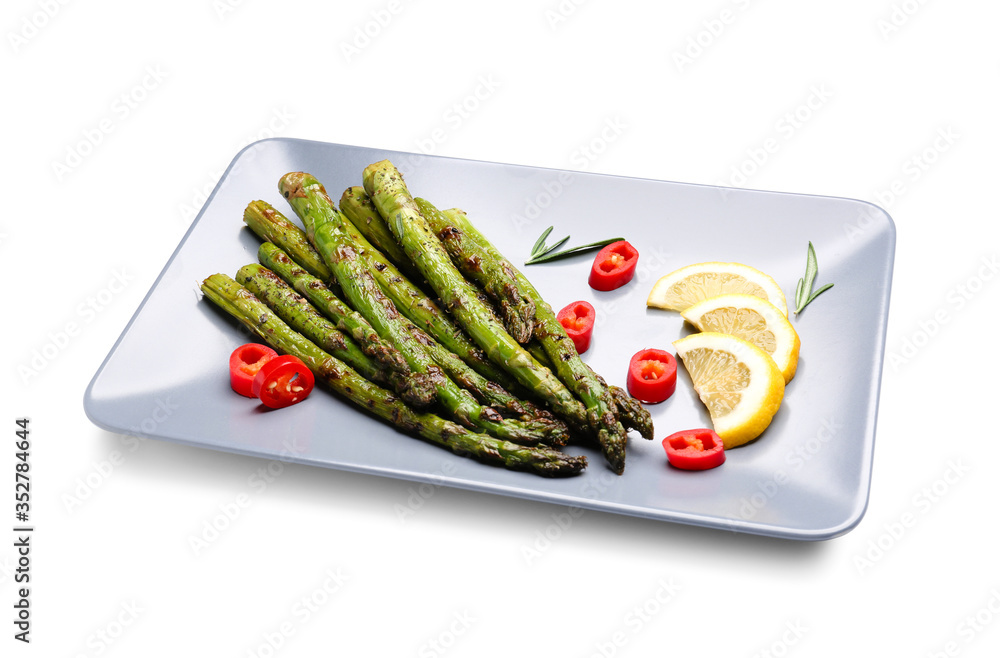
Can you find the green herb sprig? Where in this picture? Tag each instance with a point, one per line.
(804, 290)
(541, 253)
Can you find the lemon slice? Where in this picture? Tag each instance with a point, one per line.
(682, 288)
(753, 319)
(738, 382)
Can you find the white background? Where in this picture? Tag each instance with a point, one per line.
(893, 75)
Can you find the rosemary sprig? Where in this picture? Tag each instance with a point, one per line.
(541, 253)
(804, 290)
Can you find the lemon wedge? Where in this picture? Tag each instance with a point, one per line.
(689, 285)
(738, 382)
(753, 319)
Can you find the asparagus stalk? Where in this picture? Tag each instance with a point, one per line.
(499, 285)
(363, 292)
(577, 375)
(271, 226)
(495, 277)
(242, 305)
(357, 206)
(326, 227)
(409, 299)
(385, 186)
(344, 317)
(631, 414)
(302, 317)
(485, 391)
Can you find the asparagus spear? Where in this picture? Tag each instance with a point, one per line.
(385, 186)
(357, 206)
(274, 227)
(486, 392)
(242, 305)
(363, 292)
(489, 389)
(563, 356)
(516, 312)
(344, 317)
(409, 299)
(631, 414)
(495, 277)
(326, 227)
(302, 317)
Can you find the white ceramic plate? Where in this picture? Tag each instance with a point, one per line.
(806, 478)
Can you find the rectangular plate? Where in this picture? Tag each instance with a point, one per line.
(807, 477)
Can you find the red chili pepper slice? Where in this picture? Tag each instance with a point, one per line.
(244, 363)
(652, 375)
(282, 381)
(578, 321)
(694, 450)
(614, 266)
